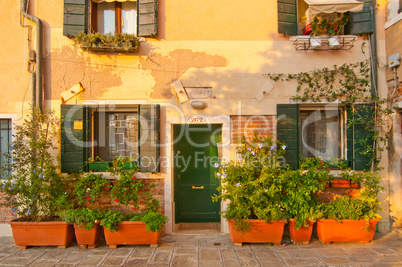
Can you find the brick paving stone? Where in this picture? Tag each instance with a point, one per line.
(283, 254)
(231, 263)
(161, 257)
(244, 253)
(158, 265)
(100, 252)
(113, 261)
(361, 258)
(9, 250)
(55, 254)
(329, 252)
(136, 263)
(303, 262)
(186, 244)
(390, 258)
(29, 254)
(122, 252)
(270, 264)
(91, 261)
(217, 244)
(209, 263)
(251, 263)
(63, 265)
(228, 254)
(142, 252)
(165, 247)
(73, 258)
(209, 255)
(184, 260)
(384, 250)
(16, 261)
(202, 244)
(267, 256)
(191, 251)
(361, 251)
(42, 264)
(304, 253)
(335, 260)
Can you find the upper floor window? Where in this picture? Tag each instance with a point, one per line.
(5, 140)
(114, 17)
(138, 17)
(294, 15)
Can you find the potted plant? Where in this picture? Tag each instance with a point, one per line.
(352, 219)
(98, 42)
(138, 226)
(300, 199)
(86, 215)
(98, 164)
(33, 187)
(251, 186)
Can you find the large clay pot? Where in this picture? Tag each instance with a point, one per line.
(301, 235)
(87, 238)
(260, 232)
(347, 230)
(42, 234)
(131, 233)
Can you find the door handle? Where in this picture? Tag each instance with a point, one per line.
(198, 187)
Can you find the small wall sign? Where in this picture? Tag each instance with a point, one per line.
(197, 119)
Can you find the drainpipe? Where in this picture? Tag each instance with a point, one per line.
(38, 87)
(373, 45)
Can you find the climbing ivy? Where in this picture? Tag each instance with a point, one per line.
(348, 84)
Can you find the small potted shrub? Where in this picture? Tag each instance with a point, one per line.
(300, 200)
(352, 219)
(255, 211)
(33, 187)
(98, 164)
(135, 227)
(86, 215)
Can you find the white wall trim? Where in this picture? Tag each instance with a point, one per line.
(392, 21)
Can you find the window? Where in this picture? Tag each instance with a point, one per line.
(114, 17)
(293, 15)
(5, 140)
(319, 131)
(110, 17)
(89, 131)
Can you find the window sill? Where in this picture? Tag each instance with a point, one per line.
(337, 42)
(109, 49)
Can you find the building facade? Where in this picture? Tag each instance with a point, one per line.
(199, 80)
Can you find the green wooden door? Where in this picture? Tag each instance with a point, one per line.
(195, 152)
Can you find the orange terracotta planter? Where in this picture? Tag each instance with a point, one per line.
(260, 232)
(87, 238)
(302, 235)
(42, 234)
(347, 230)
(131, 233)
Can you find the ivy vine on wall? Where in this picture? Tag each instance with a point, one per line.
(348, 85)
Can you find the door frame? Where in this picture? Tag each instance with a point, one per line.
(172, 117)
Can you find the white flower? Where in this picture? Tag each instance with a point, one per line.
(266, 190)
(260, 145)
(218, 174)
(88, 189)
(216, 165)
(224, 175)
(263, 139)
(283, 147)
(252, 153)
(249, 149)
(272, 148)
(238, 185)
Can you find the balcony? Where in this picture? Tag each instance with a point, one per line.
(325, 42)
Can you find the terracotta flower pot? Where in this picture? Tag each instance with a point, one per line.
(347, 230)
(42, 234)
(131, 233)
(87, 238)
(260, 232)
(302, 235)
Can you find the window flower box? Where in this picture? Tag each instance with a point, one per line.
(97, 42)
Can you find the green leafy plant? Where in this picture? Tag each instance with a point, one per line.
(89, 187)
(33, 188)
(119, 40)
(321, 25)
(83, 217)
(251, 185)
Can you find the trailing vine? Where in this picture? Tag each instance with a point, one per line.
(348, 85)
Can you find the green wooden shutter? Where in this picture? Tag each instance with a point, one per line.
(147, 18)
(75, 133)
(355, 134)
(287, 16)
(75, 17)
(363, 21)
(149, 138)
(288, 132)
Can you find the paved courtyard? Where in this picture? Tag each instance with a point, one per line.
(210, 250)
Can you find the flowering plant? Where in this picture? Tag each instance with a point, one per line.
(320, 25)
(32, 186)
(251, 185)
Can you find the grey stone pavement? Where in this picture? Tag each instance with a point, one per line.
(211, 250)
